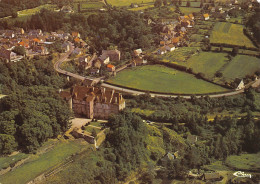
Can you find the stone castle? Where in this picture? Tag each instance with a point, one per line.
(93, 102)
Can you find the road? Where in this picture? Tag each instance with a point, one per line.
(65, 56)
(134, 92)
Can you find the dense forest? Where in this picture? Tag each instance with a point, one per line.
(254, 23)
(123, 29)
(132, 145)
(32, 111)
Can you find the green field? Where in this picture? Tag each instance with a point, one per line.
(240, 66)
(187, 10)
(163, 79)
(42, 163)
(230, 34)
(179, 55)
(9, 160)
(206, 62)
(141, 8)
(126, 2)
(244, 162)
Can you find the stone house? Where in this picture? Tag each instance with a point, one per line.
(161, 50)
(170, 47)
(114, 55)
(206, 16)
(94, 102)
(7, 54)
(211, 176)
(111, 68)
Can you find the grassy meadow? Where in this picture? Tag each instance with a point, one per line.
(228, 33)
(126, 2)
(163, 79)
(206, 62)
(39, 164)
(9, 160)
(240, 66)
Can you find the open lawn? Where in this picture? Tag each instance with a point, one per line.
(141, 8)
(36, 165)
(163, 79)
(179, 55)
(240, 66)
(206, 62)
(244, 162)
(32, 11)
(230, 34)
(189, 10)
(9, 160)
(127, 2)
(142, 111)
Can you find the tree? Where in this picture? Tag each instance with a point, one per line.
(14, 14)
(94, 132)
(20, 50)
(165, 2)
(7, 144)
(188, 4)
(235, 51)
(158, 3)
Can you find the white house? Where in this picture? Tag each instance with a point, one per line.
(241, 85)
(170, 47)
(161, 51)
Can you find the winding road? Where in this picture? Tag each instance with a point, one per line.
(65, 56)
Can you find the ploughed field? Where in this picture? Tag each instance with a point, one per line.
(159, 78)
(232, 34)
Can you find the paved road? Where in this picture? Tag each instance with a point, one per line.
(65, 56)
(134, 92)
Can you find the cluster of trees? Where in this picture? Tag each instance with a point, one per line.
(254, 23)
(32, 111)
(10, 7)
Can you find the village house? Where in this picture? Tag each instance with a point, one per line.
(94, 71)
(169, 157)
(206, 16)
(138, 52)
(66, 46)
(105, 59)
(161, 50)
(75, 34)
(84, 62)
(138, 61)
(241, 85)
(170, 47)
(94, 102)
(211, 176)
(77, 51)
(97, 63)
(7, 54)
(67, 9)
(111, 68)
(114, 55)
(40, 50)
